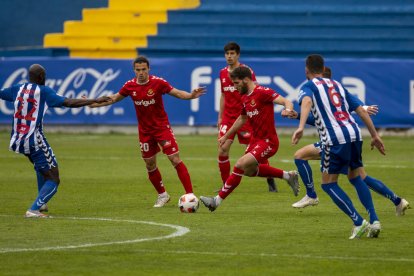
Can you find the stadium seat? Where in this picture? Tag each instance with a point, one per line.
(116, 31)
(281, 28)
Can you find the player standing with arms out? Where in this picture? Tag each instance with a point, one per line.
(258, 109)
(31, 101)
(341, 142)
(230, 108)
(313, 152)
(154, 129)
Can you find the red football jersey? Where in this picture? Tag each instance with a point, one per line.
(232, 98)
(259, 108)
(148, 102)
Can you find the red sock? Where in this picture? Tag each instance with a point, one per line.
(156, 180)
(267, 171)
(224, 166)
(184, 177)
(232, 182)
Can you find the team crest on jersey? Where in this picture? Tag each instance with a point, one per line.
(150, 93)
(253, 102)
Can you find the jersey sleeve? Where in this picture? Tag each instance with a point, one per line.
(164, 86)
(9, 94)
(306, 90)
(52, 98)
(353, 101)
(124, 91)
(268, 94)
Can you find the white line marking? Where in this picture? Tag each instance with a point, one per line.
(180, 231)
(297, 256)
(276, 255)
(371, 164)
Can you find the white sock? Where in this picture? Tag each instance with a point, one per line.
(286, 175)
(218, 200)
(164, 194)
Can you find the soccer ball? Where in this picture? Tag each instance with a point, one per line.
(188, 203)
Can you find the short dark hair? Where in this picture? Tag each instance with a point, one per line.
(241, 72)
(315, 64)
(327, 72)
(141, 59)
(232, 46)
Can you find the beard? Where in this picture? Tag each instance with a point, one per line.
(244, 89)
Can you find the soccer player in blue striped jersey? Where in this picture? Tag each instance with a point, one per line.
(341, 140)
(31, 101)
(313, 152)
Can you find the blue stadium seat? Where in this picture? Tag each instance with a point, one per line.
(281, 28)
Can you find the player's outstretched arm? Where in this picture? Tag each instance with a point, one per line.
(73, 103)
(196, 93)
(286, 103)
(375, 139)
(304, 111)
(371, 109)
(114, 98)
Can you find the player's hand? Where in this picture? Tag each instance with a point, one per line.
(296, 136)
(377, 142)
(198, 92)
(291, 114)
(103, 99)
(372, 110)
(218, 124)
(222, 140)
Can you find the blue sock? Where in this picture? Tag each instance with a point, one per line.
(40, 181)
(341, 199)
(305, 173)
(365, 197)
(45, 194)
(379, 187)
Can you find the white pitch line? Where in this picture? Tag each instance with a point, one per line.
(296, 256)
(372, 164)
(180, 231)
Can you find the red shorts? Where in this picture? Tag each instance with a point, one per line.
(150, 143)
(262, 149)
(243, 134)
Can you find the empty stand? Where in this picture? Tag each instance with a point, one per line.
(115, 31)
(280, 28)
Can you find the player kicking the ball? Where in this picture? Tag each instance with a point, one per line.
(258, 109)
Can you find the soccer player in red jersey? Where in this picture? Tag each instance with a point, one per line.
(230, 109)
(258, 109)
(154, 129)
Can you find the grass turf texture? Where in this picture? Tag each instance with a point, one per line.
(252, 232)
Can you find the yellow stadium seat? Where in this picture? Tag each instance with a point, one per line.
(116, 31)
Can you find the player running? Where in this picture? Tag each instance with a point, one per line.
(230, 109)
(258, 109)
(31, 101)
(154, 129)
(314, 151)
(341, 142)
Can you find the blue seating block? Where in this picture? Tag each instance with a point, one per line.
(280, 28)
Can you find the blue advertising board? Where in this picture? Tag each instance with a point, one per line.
(387, 83)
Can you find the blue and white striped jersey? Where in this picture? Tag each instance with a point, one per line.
(331, 107)
(30, 104)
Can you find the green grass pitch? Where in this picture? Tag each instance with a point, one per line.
(253, 232)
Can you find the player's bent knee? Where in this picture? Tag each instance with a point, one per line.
(299, 155)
